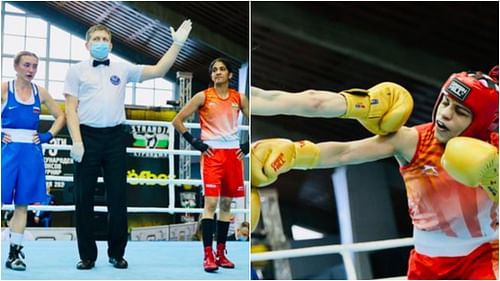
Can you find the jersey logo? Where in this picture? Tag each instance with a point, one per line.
(115, 80)
(36, 109)
(12, 107)
(234, 105)
(430, 170)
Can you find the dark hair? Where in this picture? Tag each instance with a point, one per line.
(17, 58)
(224, 61)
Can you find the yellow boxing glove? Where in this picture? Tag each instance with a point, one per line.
(255, 211)
(272, 157)
(472, 162)
(382, 109)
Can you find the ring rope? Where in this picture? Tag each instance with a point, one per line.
(46, 117)
(138, 180)
(345, 250)
(69, 208)
(156, 151)
(159, 152)
(333, 249)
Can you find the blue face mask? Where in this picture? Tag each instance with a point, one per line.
(99, 50)
(243, 238)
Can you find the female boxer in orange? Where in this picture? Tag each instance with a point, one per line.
(222, 154)
(450, 168)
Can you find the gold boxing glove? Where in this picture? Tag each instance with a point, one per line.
(472, 162)
(255, 211)
(382, 109)
(272, 157)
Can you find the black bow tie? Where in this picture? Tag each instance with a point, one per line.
(97, 62)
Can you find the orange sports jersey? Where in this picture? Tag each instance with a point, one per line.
(219, 117)
(445, 213)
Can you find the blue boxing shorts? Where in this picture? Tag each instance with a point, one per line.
(23, 173)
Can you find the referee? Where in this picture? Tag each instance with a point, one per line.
(95, 108)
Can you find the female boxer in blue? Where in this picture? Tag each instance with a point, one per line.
(23, 171)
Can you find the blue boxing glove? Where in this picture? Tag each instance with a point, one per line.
(195, 142)
(45, 137)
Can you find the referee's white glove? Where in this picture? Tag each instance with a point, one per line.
(180, 36)
(77, 151)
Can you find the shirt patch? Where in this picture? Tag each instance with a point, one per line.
(36, 109)
(234, 105)
(115, 80)
(430, 170)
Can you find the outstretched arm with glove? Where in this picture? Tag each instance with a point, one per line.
(382, 109)
(272, 157)
(474, 163)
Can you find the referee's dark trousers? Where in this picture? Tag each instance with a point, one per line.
(105, 150)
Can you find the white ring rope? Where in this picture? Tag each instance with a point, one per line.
(344, 250)
(139, 180)
(156, 151)
(171, 181)
(69, 208)
(333, 249)
(149, 123)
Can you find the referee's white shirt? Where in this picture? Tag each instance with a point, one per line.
(101, 91)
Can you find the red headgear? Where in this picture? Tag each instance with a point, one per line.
(479, 93)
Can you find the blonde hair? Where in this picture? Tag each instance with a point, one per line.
(95, 28)
(21, 54)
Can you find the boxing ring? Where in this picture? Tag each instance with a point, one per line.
(148, 260)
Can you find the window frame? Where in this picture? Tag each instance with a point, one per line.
(133, 89)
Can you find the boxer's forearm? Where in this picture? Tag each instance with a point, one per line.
(309, 103)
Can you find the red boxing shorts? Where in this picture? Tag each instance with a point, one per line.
(480, 264)
(222, 174)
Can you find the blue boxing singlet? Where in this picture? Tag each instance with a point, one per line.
(23, 168)
(17, 114)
